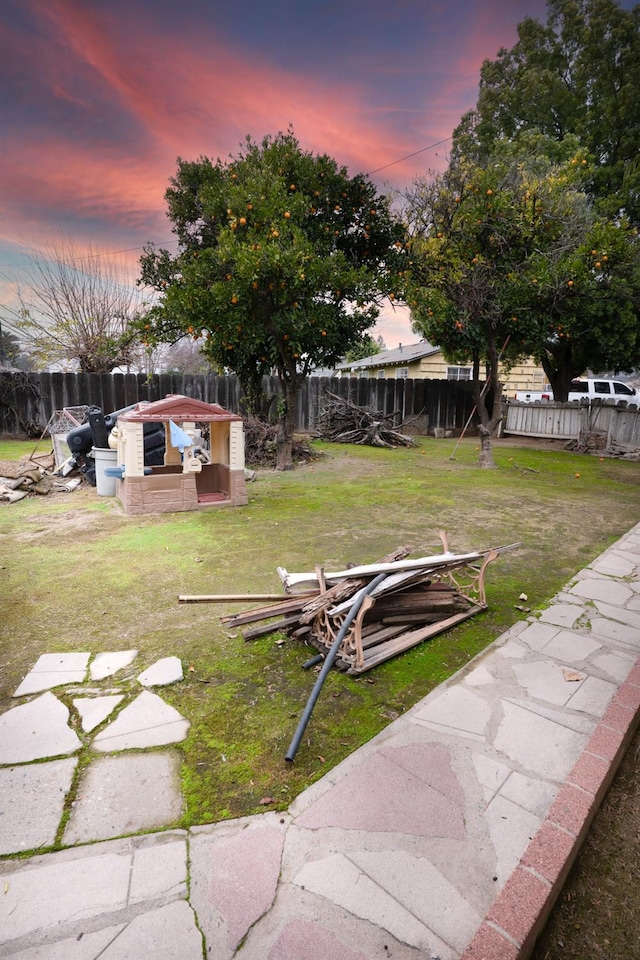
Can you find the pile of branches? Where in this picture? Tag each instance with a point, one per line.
(342, 421)
(260, 444)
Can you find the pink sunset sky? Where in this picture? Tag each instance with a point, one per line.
(99, 97)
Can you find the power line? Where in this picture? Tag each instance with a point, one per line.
(408, 156)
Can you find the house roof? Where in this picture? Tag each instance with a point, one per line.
(400, 357)
(178, 408)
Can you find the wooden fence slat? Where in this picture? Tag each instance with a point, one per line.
(33, 398)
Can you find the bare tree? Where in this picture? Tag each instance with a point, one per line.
(185, 356)
(79, 306)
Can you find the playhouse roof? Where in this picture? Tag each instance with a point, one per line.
(178, 408)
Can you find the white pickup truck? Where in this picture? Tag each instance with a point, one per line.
(584, 389)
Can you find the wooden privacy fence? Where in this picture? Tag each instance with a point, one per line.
(617, 424)
(28, 400)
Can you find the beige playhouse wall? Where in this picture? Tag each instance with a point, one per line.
(169, 490)
(162, 493)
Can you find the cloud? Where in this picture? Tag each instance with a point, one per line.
(99, 99)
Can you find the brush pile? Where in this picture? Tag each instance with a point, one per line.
(342, 421)
(260, 440)
(416, 600)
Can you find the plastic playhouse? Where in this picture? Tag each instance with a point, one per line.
(183, 481)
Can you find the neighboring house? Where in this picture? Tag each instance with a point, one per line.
(423, 360)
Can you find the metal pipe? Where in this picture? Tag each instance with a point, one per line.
(328, 663)
(313, 662)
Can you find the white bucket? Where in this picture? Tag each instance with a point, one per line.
(105, 457)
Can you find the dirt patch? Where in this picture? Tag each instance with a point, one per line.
(530, 443)
(60, 524)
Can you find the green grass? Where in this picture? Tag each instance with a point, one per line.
(77, 574)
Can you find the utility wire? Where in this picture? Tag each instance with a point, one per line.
(408, 156)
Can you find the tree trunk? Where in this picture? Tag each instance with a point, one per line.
(560, 373)
(485, 457)
(286, 425)
(489, 420)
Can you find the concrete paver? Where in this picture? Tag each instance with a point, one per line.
(94, 710)
(124, 794)
(36, 730)
(562, 614)
(457, 711)
(59, 896)
(539, 745)
(373, 797)
(616, 665)
(106, 664)
(163, 672)
(37, 792)
(169, 932)
(89, 947)
(571, 647)
(54, 670)
(609, 590)
(234, 878)
(445, 836)
(147, 722)
(620, 633)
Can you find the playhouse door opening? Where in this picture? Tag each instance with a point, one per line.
(212, 483)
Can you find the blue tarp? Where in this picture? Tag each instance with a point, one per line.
(179, 437)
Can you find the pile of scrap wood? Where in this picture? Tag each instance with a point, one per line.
(415, 600)
(342, 421)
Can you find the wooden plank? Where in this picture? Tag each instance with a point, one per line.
(405, 641)
(425, 618)
(264, 613)
(236, 597)
(265, 628)
(417, 603)
(383, 634)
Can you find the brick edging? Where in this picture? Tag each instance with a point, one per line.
(521, 909)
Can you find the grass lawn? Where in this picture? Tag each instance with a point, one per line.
(77, 574)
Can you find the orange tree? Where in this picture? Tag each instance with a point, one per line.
(508, 260)
(283, 260)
